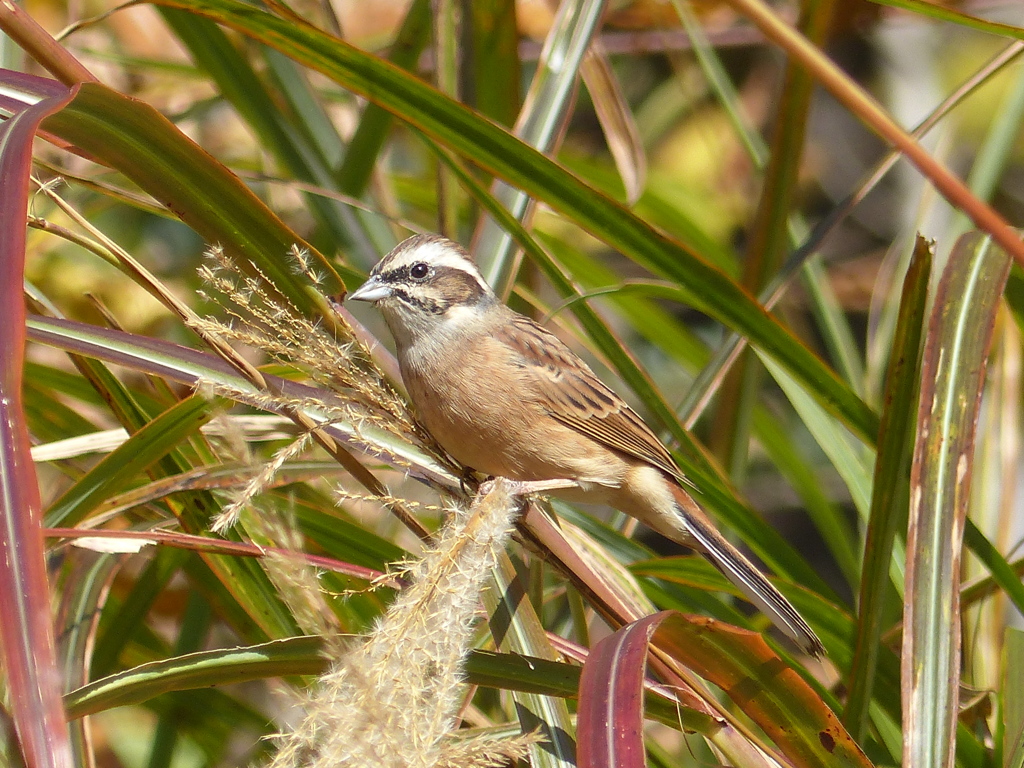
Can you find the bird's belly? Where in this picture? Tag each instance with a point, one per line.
(491, 428)
(494, 444)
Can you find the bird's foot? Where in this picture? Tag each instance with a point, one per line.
(468, 481)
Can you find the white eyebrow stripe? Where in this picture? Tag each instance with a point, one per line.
(437, 253)
(441, 254)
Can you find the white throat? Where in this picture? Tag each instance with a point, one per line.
(411, 327)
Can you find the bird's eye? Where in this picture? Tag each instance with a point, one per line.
(419, 271)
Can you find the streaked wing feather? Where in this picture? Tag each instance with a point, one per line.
(580, 400)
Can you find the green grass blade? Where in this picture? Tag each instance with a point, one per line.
(277, 658)
(238, 82)
(830, 520)
(119, 628)
(996, 149)
(124, 465)
(496, 69)
(540, 123)
(195, 624)
(1002, 572)
(1013, 700)
(891, 489)
(844, 451)
(767, 244)
(942, 13)
(304, 656)
(953, 366)
(516, 627)
(369, 138)
(138, 141)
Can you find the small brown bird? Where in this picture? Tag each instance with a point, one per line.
(507, 398)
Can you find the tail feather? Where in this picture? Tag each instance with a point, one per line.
(745, 575)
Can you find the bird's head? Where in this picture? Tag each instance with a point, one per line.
(426, 285)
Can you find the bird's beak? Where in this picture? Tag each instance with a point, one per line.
(372, 290)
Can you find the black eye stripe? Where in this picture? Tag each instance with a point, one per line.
(398, 275)
(426, 304)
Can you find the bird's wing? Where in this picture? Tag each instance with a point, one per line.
(573, 395)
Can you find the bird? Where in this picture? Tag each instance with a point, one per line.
(506, 397)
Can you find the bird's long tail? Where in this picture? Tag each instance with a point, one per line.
(744, 574)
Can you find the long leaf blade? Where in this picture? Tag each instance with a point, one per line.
(760, 683)
(952, 374)
(890, 493)
(142, 449)
(26, 634)
(141, 143)
(610, 717)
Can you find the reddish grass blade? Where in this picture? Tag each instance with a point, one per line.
(609, 727)
(770, 692)
(133, 541)
(610, 714)
(26, 633)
